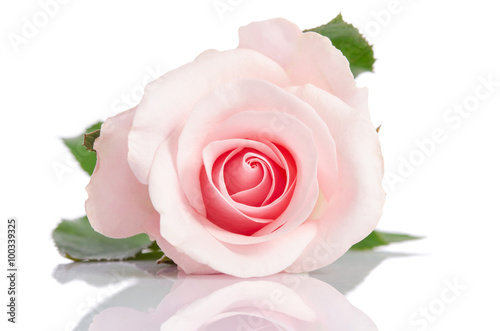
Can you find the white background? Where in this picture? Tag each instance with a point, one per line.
(432, 55)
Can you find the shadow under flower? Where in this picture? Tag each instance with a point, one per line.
(352, 268)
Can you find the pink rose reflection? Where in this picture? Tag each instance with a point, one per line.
(219, 303)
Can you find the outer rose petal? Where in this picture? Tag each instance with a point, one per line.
(274, 38)
(356, 207)
(306, 57)
(118, 205)
(188, 264)
(168, 101)
(184, 229)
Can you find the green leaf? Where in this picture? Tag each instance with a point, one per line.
(378, 238)
(350, 42)
(156, 256)
(396, 237)
(89, 140)
(86, 158)
(78, 241)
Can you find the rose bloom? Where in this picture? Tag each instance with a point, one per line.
(248, 162)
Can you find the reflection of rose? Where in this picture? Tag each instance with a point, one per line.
(257, 160)
(220, 303)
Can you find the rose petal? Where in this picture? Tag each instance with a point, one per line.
(274, 38)
(168, 100)
(356, 206)
(260, 176)
(188, 264)
(307, 58)
(244, 171)
(315, 61)
(256, 196)
(221, 213)
(118, 204)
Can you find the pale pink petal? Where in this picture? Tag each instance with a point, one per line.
(356, 206)
(167, 101)
(307, 58)
(188, 264)
(315, 61)
(184, 228)
(118, 204)
(274, 38)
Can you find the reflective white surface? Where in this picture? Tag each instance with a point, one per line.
(159, 297)
(390, 290)
(384, 290)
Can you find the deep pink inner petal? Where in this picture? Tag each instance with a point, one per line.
(254, 202)
(242, 172)
(227, 217)
(254, 195)
(257, 195)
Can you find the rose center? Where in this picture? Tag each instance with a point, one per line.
(250, 178)
(244, 171)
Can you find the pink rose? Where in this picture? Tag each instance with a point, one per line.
(214, 303)
(247, 162)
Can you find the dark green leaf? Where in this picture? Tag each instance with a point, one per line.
(378, 238)
(350, 42)
(89, 139)
(78, 241)
(86, 158)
